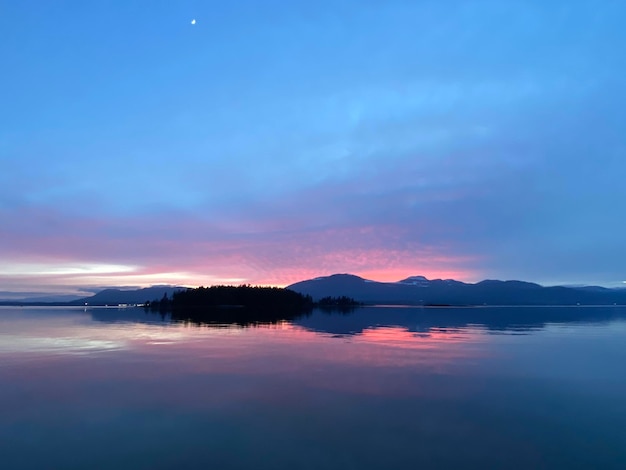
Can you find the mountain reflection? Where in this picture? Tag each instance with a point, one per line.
(415, 320)
(389, 379)
(503, 320)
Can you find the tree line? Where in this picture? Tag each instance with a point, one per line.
(244, 302)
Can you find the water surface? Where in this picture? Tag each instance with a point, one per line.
(381, 387)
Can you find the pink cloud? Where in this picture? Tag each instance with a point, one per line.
(189, 250)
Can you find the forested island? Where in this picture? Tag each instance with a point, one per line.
(242, 304)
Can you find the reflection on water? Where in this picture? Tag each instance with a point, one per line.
(494, 319)
(374, 388)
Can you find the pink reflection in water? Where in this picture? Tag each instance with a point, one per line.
(70, 359)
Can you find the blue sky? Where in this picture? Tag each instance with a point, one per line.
(274, 141)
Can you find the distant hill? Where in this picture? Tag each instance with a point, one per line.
(414, 290)
(418, 290)
(138, 296)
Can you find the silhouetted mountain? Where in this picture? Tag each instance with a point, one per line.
(417, 290)
(138, 296)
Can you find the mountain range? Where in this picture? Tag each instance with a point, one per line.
(138, 296)
(414, 290)
(418, 290)
(104, 297)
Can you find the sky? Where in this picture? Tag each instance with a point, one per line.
(275, 141)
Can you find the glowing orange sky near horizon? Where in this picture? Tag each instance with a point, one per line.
(93, 251)
(241, 266)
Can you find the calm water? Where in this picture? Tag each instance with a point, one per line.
(378, 388)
